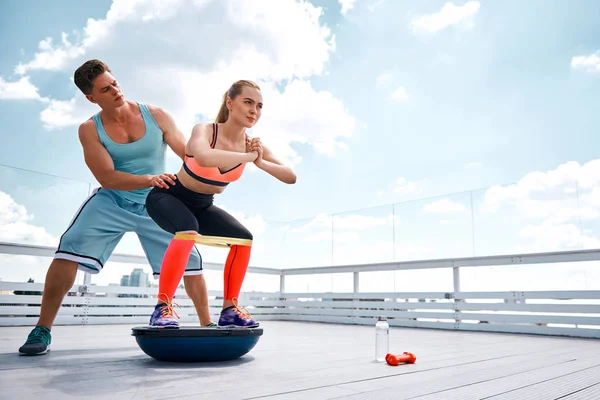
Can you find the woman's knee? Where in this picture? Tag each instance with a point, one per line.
(244, 233)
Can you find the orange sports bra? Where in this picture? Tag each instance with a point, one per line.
(212, 175)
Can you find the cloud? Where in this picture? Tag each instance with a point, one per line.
(473, 165)
(357, 221)
(51, 57)
(288, 34)
(444, 206)
(348, 253)
(552, 210)
(22, 89)
(544, 194)
(352, 222)
(254, 223)
(589, 63)
(302, 115)
(399, 94)
(404, 186)
(278, 44)
(325, 236)
(375, 4)
(60, 114)
(15, 226)
(347, 5)
(384, 78)
(549, 235)
(400, 187)
(449, 15)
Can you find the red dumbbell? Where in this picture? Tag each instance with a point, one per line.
(395, 359)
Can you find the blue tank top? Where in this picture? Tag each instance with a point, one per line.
(145, 156)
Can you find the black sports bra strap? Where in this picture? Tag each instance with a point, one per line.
(215, 134)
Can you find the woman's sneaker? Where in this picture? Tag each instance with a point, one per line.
(38, 342)
(236, 317)
(164, 316)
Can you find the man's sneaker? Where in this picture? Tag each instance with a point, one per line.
(236, 317)
(38, 342)
(164, 317)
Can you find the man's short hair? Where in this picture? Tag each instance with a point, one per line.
(88, 71)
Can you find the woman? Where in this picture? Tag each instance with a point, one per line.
(216, 155)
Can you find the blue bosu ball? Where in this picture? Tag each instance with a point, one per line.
(196, 344)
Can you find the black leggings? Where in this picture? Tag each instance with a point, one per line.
(179, 209)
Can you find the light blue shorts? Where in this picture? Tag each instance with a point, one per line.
(99, 225)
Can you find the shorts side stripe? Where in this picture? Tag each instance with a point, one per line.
(85, 202)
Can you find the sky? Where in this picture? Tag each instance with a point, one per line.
(427, 128)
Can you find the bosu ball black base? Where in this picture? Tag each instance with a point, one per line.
(196, 344)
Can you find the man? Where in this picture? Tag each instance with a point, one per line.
(124, 145)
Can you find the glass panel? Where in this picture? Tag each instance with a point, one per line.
(268, 248)
(588, 201)
(307, 242)
(363, 236)
(25, 268)
(322, 283)
(552, 276)
(531, 216)
(434, 228)
(37, 208)
(425, 280)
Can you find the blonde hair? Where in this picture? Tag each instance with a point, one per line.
(233, 91)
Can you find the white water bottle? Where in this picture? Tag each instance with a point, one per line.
(382, 339)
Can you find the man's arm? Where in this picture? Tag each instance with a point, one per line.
(99, 162)
(171, 133)
(207, 157)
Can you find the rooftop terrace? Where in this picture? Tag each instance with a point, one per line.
(304, 360)
(469, 345)
(479, 329)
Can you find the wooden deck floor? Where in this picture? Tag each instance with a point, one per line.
(307, 361)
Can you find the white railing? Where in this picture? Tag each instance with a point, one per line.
(569, 313)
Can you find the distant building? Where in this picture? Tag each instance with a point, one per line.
(138, 278)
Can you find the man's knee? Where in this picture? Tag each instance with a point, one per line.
(64, 264)
(61, 273)
(194, 278)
